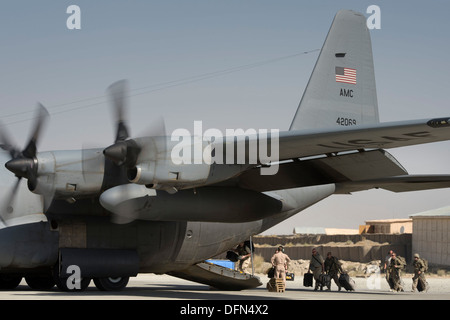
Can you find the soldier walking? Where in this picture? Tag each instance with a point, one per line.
(332, 268)
(387, 262)
(419, 273)
(317, 268)
(395, 279)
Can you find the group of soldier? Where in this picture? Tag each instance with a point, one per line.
(332, 267)
(394, 264)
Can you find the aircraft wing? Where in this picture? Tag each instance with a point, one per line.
(298, 144)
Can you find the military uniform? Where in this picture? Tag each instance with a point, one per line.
(395, 280)
(387, 262)
(316, 266)
(332, 268)
(244, 253)
(419, 273)
(280, 261)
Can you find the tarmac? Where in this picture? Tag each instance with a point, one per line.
(173, 298)
(165, 287)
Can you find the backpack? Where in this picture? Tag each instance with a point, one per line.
(402, 261)
(425, 264)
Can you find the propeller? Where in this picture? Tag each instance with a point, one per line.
(125, 154)
(24, 163)
(122, 152)
(118, 92)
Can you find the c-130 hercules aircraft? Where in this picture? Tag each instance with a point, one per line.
(129, 209)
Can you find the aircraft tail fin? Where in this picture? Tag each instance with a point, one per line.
(341, 91)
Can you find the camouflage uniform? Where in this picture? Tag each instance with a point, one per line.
(387, 262)
(332, 268)
(419, 273)
(395, 280)
(316, 266)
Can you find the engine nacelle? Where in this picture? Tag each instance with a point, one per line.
(142, 174)
(165, 174)
(69, 174)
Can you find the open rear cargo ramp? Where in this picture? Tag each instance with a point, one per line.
(218, 277)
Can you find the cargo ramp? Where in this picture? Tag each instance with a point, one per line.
(219, 277)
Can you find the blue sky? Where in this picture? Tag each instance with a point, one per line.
(152, 43)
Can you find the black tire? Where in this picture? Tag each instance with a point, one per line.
(61, 283)
(111, 284)
(9, 281)
(37, 282)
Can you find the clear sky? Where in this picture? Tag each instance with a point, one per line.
(154, 44)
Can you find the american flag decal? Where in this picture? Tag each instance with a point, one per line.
(345, 75)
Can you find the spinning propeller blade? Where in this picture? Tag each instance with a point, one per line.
(23, 163)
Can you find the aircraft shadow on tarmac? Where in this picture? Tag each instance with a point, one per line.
(203, 292)
(160, 291)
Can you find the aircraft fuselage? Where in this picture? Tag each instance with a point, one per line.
(32, 241)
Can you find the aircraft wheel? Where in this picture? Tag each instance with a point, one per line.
(40, 282)
(111, 284)
(9, 281)
(61, 283)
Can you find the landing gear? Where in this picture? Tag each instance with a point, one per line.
(61, 283)
(37, 282)
(65, 284)
(46, 281)
(111, 284)
(9, 281)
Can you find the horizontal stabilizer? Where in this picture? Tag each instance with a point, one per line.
(357, 166)
(298, 144)
(397, 184)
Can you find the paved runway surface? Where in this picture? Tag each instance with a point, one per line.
(163, 287)
(150, 295)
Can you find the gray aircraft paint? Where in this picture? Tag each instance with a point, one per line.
(75, 219)
(326, 101)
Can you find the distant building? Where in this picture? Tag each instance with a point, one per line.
(388, 226)
(431, 235)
